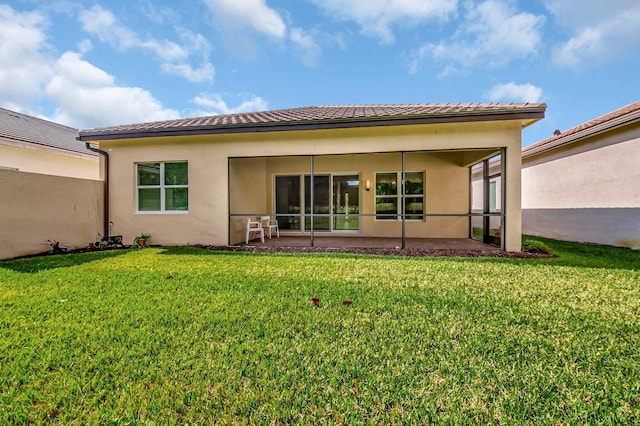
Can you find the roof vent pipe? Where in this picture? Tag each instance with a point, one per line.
(105, 213)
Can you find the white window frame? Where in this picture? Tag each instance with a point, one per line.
(398, 195)
(161, 186)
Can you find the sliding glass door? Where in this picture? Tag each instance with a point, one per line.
(346, 202)
(288, 202)
(321, 206)
(336, 199)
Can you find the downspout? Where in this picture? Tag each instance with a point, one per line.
(105, 214)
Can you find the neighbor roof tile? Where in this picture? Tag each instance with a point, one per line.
(606, 121)
(25, 128)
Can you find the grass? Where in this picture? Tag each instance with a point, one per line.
(184, 335)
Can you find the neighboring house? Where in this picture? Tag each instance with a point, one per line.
(32, 145)
(583, 184)
(328, 170)
(49, 187)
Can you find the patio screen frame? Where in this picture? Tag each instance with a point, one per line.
(499, 151)
(487, 179)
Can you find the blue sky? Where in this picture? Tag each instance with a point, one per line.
(98, 63)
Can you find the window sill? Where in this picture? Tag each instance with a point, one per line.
(169, 212)
(398, 220)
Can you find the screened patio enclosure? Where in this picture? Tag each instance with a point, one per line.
(398, 195)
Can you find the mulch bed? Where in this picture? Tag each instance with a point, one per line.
(349, 250)
(382, 251)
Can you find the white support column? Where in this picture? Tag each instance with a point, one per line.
(513, 204)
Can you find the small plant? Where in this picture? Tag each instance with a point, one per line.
(534, 246)
(105, 243)
(57, 247)
(142, 240)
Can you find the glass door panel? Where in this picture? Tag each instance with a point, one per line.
(346, 202)
(288, 202)
(337, 195)
(414, 198)
(387, 196)
(321, 197)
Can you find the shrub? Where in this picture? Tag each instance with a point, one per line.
(535, 246)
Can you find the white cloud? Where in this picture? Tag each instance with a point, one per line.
(600, 30)
(200, 74)
(492, 34)
(213, 104)
(589, 43)
(166, 50)
(157, 13)
(307, 45)
(102, 24)
(87, 96)
(25, 63)
(254, 14)
(241, 21)
(85, 46)
(515, 93)
(376, 17)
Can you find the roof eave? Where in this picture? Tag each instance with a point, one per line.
(530, 116)
(582, 134)
(43, 147)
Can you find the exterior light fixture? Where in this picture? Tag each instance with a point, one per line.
(367, 185)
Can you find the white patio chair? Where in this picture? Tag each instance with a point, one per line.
(270, 223)
(254, 228)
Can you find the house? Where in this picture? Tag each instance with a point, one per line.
(360, 170)
(29, 144)
(583, 184)
(50, 187)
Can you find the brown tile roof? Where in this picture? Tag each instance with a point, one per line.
(618, 117)
(25, 128)
(322, 117)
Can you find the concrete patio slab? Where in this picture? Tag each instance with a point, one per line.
(375, 242)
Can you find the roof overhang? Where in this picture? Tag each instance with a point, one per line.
(32, 146)
(607, 126)
(526, 117)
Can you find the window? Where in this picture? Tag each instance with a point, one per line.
(336, 202)
(389, 195)
(163, 186)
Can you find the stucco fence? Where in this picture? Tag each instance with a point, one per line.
(618, 227)
(35, 208)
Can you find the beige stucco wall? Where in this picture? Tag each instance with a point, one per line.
(49, 161)
(35, 208)
(207, 221)
(588, 191)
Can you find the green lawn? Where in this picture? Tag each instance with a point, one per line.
(185, 335)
